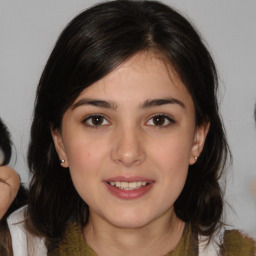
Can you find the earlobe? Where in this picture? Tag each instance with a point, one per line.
(57, 139)
(198, 143)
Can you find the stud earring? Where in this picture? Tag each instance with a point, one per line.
(195, 157)
(62, 161)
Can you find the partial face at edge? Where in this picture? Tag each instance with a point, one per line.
(128, 141)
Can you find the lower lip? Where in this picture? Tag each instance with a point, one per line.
(129, 194)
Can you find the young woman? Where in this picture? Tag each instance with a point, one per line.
(12, 194)
(127, 146)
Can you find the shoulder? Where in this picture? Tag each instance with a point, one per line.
(237, 243)
(23, 242)
(228, 243)
(17, 218)
(72, 242)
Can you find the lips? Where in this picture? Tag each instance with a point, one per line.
(129, 187)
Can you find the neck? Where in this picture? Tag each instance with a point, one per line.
(156, 238)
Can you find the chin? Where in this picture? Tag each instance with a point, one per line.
(130, 224)
(130, 220)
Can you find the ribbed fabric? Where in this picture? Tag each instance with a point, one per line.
(238, 244)
(235, 244)
(73, 244)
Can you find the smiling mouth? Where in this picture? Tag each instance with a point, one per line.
(128, 185)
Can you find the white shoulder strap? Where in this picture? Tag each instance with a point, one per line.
(23, 243)
(212, 249)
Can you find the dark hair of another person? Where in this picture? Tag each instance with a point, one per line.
(5, 143)
(92, 45)
(5, 237)
(20, 199)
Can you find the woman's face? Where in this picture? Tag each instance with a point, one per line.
(128, 140)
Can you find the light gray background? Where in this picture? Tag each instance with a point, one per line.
(29, 29)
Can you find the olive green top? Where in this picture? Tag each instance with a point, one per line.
(235, 244)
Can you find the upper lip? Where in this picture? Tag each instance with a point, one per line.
(129, 179)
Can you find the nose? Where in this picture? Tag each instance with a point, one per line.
(128, 148)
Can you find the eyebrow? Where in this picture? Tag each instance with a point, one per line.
(96, 103)
(160, 102)
(112, 105)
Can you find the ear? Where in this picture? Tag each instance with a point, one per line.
(199, 140)
(59, 146)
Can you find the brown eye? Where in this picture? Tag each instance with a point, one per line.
(160, 120)
(96, 120)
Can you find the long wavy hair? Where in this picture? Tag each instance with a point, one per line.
(91, 46)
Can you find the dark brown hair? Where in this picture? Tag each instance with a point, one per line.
(5, 143)
(5, 236)
(92, 45)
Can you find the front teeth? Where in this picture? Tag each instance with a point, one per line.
(128, 185)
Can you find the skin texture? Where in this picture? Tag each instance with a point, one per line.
(130, 142)
(9, 186)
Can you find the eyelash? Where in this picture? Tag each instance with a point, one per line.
(103, 119)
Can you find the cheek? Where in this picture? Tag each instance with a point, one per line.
(172, 160)
(173, 152)
(83, 153)
(83, 169)
(85, 160)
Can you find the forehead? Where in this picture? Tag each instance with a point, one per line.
(142, 77)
